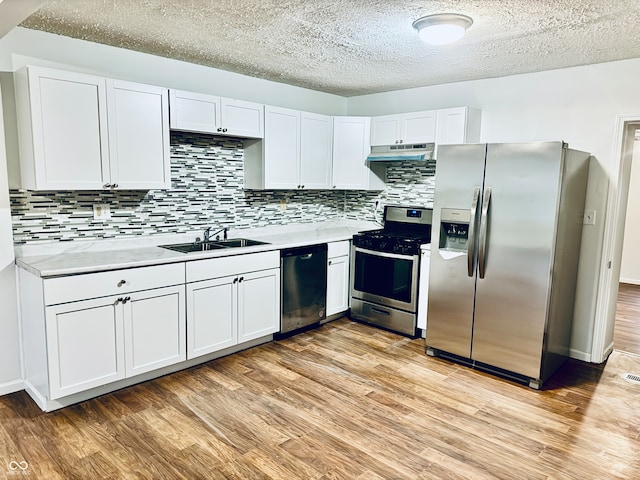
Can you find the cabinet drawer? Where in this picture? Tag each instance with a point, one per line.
(93, 285)
(232, 265)
(338, 249)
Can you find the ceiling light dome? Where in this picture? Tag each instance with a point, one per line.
(442, 28)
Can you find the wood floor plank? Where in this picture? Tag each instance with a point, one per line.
(626, 333)
(344, 401)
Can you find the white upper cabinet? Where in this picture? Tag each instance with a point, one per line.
(82, 132)
(138, 136)
(281, 148)
(351, 145)
(295, 153)
(198, 112)
(316, 136)
(457, 125)
(405, 128)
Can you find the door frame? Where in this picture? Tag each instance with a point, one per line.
(611, 259)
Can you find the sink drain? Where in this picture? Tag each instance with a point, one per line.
(631, 377)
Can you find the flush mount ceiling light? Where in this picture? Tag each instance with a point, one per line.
(442, 28)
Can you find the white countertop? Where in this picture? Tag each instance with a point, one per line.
(69, 258)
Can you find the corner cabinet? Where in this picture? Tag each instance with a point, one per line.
(83, 132)
(351, 145)
(199, 112)
(94, 329)
(231, 300)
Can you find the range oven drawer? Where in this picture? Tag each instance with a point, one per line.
(385, 317)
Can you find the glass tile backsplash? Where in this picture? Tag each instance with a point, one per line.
(207, 189)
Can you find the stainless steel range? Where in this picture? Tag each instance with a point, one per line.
(385, 266)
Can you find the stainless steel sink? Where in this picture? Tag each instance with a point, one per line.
(216, 245)
(239, 242)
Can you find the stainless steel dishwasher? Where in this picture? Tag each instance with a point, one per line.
(304, 286)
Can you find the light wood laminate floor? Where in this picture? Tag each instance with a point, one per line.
(626, 333)
(345, 401)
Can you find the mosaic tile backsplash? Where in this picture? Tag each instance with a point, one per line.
(207, 190)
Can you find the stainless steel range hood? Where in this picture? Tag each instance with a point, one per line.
(418, 152)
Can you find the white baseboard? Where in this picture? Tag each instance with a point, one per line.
(11, 387)
(578, 355)
(632, 281)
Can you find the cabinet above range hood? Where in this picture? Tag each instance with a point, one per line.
(417, 152)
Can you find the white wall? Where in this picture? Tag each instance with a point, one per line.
(578, 105)
(10, 370)
(630, 267)
(23, 46)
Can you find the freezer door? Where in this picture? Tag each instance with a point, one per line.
(459, 175)
(521, 194)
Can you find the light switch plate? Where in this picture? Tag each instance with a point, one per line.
(589, 217)
(101, 211)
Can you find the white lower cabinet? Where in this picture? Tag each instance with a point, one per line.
(154, 329)
(231, 300)
(97, 328)
(85, 345)
(338, 277)
(212, 315)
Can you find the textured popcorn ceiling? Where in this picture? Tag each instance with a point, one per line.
(354, 47)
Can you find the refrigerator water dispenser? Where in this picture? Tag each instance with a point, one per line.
(454, 229)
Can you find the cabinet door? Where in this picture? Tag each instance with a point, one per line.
(138, 136)
(451, 128)
(385, 130)
(242, 119)
(194, 112)
(350, 150)
(281, 148)
(155, 329)
(85, 346)
(211, 315)
(337, 285)
(419, 127)
(316, 134)
(67, 135)
(258, 304)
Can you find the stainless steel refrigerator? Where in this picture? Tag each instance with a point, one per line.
(507, 226)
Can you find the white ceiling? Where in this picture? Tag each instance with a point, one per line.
(355, 47)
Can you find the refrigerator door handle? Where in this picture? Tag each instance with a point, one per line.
(482, 243)
(471, 241)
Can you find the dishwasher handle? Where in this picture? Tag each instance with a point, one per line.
(304, 253)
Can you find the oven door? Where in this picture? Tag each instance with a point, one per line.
(385, 278)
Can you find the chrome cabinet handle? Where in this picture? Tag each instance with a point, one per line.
(235, 280)
(106, 185)
(482, 242)
(240, 279)
(121, 283)
(471, 240)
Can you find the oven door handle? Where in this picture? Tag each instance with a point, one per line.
(386, 254)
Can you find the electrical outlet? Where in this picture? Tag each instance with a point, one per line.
(283, 204)
(589, 217)
(101, 211)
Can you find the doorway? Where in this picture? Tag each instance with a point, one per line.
(615, 216)
(626, 335)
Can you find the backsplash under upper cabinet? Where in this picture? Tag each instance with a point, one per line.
(206, 189)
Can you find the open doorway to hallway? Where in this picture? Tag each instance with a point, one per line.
(626, 336)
